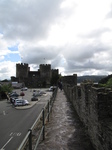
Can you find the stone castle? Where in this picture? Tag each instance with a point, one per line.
(39, 78)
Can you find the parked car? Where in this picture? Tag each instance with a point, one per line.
(25, 102)
(12, 99)
(11, 93)
(22, 94)
(42, 92)
(52, 88)
(34, 98)
(21, 102)
(36, 93)
(14, 94)
(24, 89)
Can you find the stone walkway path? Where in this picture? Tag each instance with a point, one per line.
(64, 131)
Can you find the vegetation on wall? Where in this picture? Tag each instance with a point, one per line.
(106, 82)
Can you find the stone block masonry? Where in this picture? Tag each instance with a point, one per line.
(94, 107)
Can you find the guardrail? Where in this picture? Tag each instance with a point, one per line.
(43, 118)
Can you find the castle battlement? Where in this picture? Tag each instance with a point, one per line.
(93, 105)
(22, 64)
(45, 65)
(54, 69)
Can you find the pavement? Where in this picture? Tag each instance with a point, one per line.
(64, 131)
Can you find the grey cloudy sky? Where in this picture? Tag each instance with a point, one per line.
(74, 36)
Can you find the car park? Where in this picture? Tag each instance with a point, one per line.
(20, 102)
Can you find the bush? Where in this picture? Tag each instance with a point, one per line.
(108, 84)
(4, 90)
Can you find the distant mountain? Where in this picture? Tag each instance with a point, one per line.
(94, 78)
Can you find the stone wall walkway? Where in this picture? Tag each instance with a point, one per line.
(64, 131)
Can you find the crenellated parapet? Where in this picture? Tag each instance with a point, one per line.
(22, 64)
(94, 107)
(45, 66)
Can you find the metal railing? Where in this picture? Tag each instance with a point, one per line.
(43, 118)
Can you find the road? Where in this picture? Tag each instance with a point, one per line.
(14, 123)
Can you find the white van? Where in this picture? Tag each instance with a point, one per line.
(20, 102)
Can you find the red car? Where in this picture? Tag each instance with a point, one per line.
(22, 94)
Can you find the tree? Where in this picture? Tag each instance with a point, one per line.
(5, 80)
(4, 90)
(107, 84)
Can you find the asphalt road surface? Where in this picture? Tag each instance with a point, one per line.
(14, 123)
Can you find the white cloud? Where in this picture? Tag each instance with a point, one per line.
(1, 58)
(74, 36)
(7, 69)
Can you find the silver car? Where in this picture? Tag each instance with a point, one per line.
(21, 102)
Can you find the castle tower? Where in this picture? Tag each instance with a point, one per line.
(22, 71)
(70, 79)
(45, 72)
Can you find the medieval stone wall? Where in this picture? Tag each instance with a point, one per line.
(94, 107)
